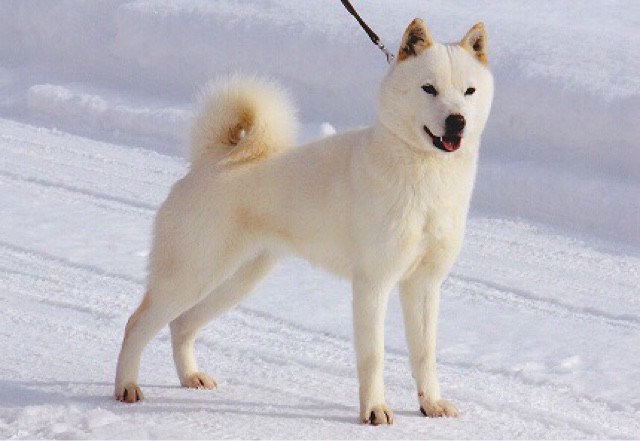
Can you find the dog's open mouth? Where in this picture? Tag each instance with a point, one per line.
(446, 143)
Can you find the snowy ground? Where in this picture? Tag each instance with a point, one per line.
(538, 338)
(540, 319)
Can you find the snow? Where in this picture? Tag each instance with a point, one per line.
(540, 318)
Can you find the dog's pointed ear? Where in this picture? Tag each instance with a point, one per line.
(415, 40)
(476, 43)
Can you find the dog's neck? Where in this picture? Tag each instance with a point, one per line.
(390, 145)
(400, 167)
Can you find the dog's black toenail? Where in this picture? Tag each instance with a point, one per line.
(423, 411)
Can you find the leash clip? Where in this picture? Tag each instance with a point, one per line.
(385, 51)
(372, 35)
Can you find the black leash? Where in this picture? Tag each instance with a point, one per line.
(372, 35)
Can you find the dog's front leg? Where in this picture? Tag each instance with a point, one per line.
(420, 296)
(369, 307)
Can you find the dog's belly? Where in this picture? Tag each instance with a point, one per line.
(328, 250)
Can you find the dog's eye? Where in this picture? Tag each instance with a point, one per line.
(430, 89)
(470, 91)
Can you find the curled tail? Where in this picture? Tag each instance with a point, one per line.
(242, 119)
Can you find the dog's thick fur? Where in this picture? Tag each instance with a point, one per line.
(381, 205)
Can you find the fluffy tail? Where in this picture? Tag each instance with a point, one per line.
(242, 119)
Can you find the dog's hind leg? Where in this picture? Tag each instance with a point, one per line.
(169, 295)
(163, 302)
(157, 308)
(224, 297)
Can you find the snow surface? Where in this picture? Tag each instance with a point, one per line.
(538, 333)
(540, 319)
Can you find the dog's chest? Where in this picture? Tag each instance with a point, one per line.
(435, 216)
(432, 219)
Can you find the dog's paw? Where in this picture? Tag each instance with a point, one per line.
(199, 380)
(130, 393)
(377, 415)
(438, 408)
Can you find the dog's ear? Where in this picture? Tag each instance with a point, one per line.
(415, 40)
(476, 42)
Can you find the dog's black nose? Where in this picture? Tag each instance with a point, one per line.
(454, 123)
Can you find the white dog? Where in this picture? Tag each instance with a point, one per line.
(381, 205)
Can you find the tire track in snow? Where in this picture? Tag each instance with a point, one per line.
(59, 149)
(135, 175)
(522, 299)
(65, 188)
(17, 254)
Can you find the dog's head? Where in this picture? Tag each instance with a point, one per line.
(437, 97)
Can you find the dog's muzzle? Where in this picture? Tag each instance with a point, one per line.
(447, 143)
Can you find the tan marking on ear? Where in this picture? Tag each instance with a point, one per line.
(476, 43)
(416, 39)
(144, 306)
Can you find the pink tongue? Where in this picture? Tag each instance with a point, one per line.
(450, 146)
